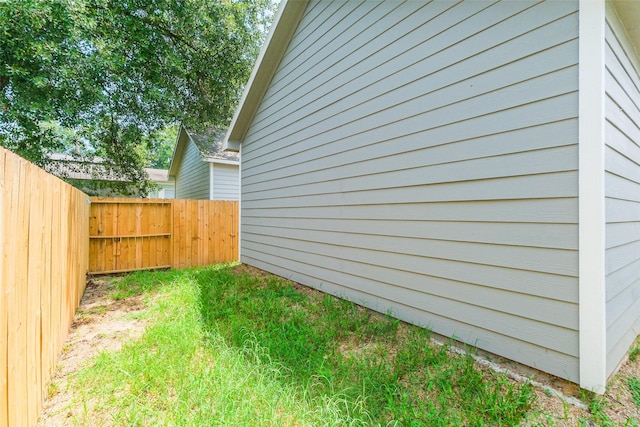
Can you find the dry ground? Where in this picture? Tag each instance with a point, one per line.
(102, 324)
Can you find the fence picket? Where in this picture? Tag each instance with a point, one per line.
(32, 303)
(3, 301)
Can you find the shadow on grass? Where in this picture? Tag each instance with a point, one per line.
(182, 372)
(386, 371)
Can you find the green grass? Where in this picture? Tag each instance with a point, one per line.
(228, 348)
(634, 352)
(634, 386)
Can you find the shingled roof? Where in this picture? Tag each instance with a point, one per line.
(209, 144)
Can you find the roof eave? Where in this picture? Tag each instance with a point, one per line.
(222, 161)
(629, 13)
(284, 26)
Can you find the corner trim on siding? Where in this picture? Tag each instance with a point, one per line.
(240, 204)
(211, 181)
(591, 208)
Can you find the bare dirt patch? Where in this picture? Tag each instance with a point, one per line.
(100, 324)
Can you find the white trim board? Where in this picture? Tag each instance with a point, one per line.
(221, 161)
(240, 204)
(592, 311)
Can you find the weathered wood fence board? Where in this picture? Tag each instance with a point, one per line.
(138, 234)
(44, 257)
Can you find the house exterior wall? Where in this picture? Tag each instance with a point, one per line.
(192, 179)
(225, 181)
(429, 170)
(169, 191)
(165, 190)
(622, 192)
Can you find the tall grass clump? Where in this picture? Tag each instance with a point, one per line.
(633, 383)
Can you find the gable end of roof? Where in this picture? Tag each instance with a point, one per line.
(284, 26)
(178, 151)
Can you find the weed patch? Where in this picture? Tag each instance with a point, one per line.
(634, 352)
(634, 386)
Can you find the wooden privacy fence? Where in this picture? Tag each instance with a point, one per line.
(46, 251)
(137, 234)
(44, 256)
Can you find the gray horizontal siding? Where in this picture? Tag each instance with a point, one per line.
(454, 79)
(425, 54)
(561, 236)
(556, 185)
(170, 193)
(439, 146)
(225, 181)
(166, 190)
(429, 169)
(622, 191)
(555, 210)
(192, 179)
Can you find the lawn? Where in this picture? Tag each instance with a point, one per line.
(228, 345)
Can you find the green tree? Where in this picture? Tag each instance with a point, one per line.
(34, 53)
(162, 144)
(117, 72)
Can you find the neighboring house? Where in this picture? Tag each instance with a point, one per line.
(166, 184)
(91, 176)
(473, 167)
(201, 169)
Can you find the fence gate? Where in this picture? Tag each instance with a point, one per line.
(129, 234)
(139, 234)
